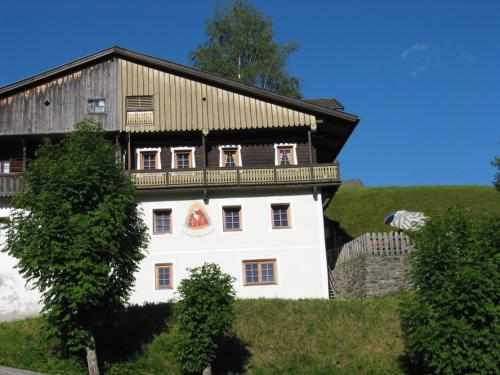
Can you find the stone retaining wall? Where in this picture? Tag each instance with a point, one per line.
(368, 276)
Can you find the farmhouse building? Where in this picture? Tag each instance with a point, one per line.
(225, 172)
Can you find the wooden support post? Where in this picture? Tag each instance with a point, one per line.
(23, 143)
(309, 141)
(129, 153)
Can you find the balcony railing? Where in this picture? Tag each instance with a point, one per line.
(322, 174)
(10, 184)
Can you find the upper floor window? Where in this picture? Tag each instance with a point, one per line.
(162, 221)
(183, 157)
(139, 110)
(96, 106)
(148, 158)
(230, 156)
(232, 218)
(285, 154)
(281, 216)
(4, 166)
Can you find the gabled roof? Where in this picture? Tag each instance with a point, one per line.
(309, 106)
(327, 103)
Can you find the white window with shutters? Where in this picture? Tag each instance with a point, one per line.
(139, 110)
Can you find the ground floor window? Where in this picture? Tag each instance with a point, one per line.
(259, 272)
(164, 276)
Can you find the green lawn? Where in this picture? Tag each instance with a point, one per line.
(272, 337)
(363, 209)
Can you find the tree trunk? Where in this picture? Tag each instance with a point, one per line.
(92, 357)
(207, 370)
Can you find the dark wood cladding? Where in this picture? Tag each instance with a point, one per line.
(56, 106)
(257, 147)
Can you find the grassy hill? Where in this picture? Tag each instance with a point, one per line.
(360, 210)
(272, 337)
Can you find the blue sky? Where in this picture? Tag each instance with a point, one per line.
(424, 76)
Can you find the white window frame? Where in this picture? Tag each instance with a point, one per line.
(221, 154)
(294, 152)
(5, 166)
(173, 150)
(146, 150)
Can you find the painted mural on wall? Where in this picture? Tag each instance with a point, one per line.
(198, 223)
(197, 217)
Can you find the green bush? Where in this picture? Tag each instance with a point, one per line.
(205, 314)
(451, 324)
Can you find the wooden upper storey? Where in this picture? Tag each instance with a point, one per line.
(134, 93)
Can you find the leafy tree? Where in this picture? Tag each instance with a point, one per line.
(205, 315)
(240, 46)
(452, 323)
(496, 163)
(77, 235)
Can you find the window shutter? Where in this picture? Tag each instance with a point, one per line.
(139, 103)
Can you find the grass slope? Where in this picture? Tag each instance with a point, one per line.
(272, 337)
(363, 209)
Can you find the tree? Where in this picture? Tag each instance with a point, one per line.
(205, 315)
(77, 235)
(452, 322)
(496, 163)
(240, 46)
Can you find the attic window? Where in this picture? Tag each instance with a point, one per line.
(96, 106)
(139, 110)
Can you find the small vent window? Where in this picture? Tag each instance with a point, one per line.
(139, 110)
(96, 106)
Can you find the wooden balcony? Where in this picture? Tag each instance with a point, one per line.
(10, 184)
(321, 174)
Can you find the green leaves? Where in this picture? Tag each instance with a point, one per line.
(205, 314)
(452, 324)
(77, 233)
(240, 46)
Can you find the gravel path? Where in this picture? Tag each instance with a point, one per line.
(15, 371)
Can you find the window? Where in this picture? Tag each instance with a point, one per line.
(96, 106)
(148, 159)
(230, 156)
(231, 218)
(162, 221)
(3, 230)
(4, 166)
(183, 157)
(139, 110)
(164, 276)
(281, 216)
(285, 154)
(259, 272)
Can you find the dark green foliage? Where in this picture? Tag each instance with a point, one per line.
(77, 234)
(240, 46)
(452, 324)
(205, 314)
(496, 182)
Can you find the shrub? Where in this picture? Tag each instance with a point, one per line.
(205, 314)
(451, 324)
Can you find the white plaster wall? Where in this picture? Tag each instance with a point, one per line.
(17, 300)
(299, 251)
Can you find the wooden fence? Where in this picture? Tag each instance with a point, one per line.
(387, 243)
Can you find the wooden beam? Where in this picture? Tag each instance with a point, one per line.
(129, 153)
